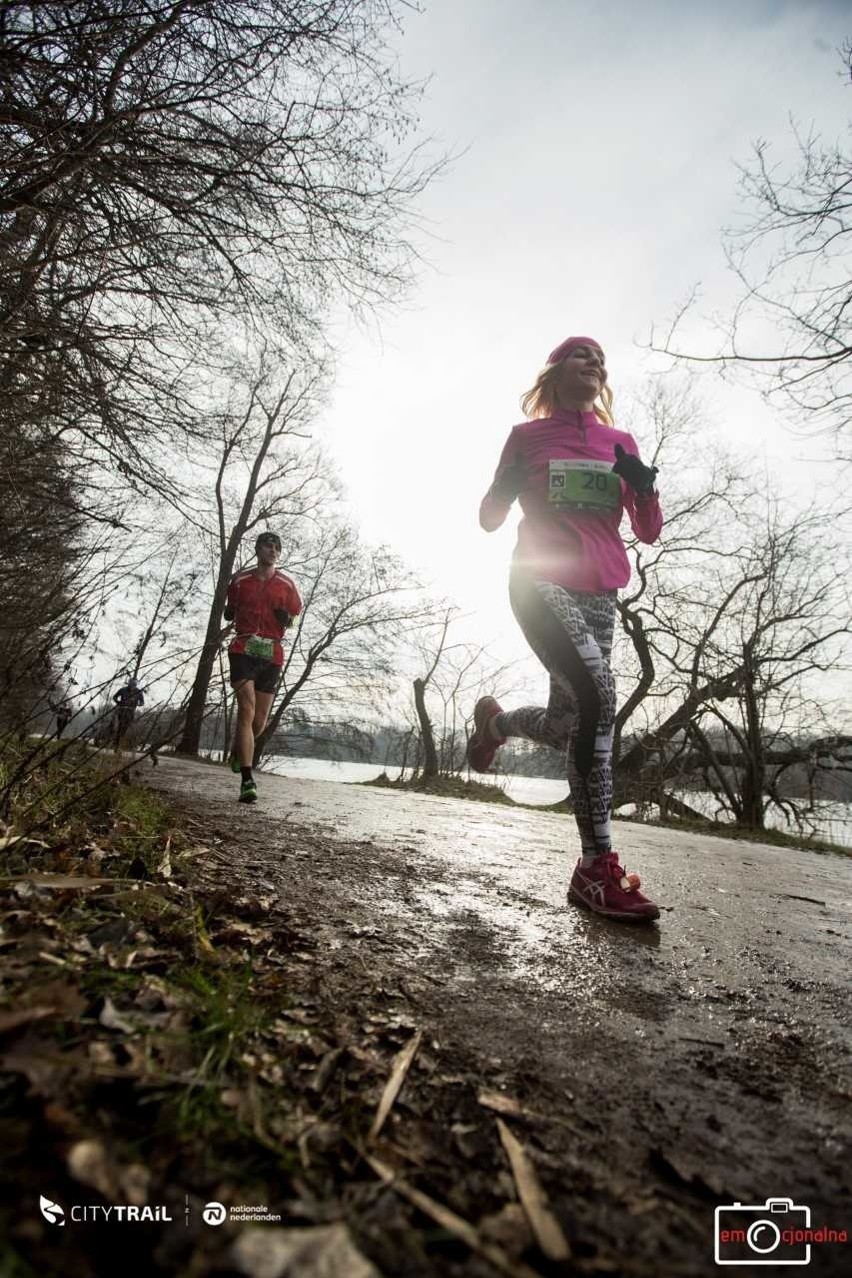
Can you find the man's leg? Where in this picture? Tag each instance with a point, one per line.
(262, 704)
(121, 730)
(244, 736)
(244, 691)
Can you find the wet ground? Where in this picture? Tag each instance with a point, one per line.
(689, 1065)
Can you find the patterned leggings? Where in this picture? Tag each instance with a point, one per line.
(571, 634)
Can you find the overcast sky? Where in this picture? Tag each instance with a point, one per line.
(596, 149)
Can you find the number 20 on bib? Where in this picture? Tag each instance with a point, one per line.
(583, 485)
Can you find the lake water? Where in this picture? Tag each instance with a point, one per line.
(835, 819)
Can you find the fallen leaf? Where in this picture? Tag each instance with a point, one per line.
(326, 1251)
(10, 840)
(89, 1164)
(10, 1021)
(501, 1104)
(134, 1181)
(401, 1066)
(325, 1069)
(548, 1232)
(46, 1072)
(235, 933)
(192, 853)
(101, 1056)
(300, 1014)
(508, 1228)
(448, 1220)
(66, 998)
(164, 869)
(155, 996)
(111, 1018)
(56, 882)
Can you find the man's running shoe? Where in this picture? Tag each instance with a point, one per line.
(482, 747)
(235, 763)
(605, 888)
(248, 792)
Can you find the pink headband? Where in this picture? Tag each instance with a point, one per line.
(570, 344)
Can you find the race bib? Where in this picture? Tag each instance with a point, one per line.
(583, 485)
(258, 647)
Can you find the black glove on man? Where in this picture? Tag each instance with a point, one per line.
(640, 477)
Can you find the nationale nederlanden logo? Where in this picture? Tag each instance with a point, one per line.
(52, 1212)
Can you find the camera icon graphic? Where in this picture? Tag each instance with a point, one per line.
(772, 1233)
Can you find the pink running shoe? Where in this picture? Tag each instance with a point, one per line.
(482, 747)
(605, 888)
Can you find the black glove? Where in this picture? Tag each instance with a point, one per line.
(283, 617)
(634, 472)
(509, 481)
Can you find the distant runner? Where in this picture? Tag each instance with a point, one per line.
(128, 699)
(262, 603)
(575, 476)
(64, 714)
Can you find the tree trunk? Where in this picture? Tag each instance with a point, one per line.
(635, 630)
(636, 760)
(191, 738)
(430, 754)
(754, 772)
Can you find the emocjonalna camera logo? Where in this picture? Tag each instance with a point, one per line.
(777, 1232)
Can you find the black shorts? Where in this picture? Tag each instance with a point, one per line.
(263, 674)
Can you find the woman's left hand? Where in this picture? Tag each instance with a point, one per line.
(634, 472)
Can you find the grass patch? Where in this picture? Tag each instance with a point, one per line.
(64, 795)
(164, 1043)
(454, 787)
(721, 830)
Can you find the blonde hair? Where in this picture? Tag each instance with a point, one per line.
(542, 399)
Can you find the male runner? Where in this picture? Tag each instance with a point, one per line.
(128, 699)
(262, 603)
(63, 717)
(64, 714)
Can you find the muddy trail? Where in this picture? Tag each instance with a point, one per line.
(653, 1074)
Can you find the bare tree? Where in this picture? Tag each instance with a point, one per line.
(421, 683)
(793, 260)
(263, 475)
(169, 167)
(703, 492)
(735, 621)
(782, 633)
(359, 603)
(457, 673)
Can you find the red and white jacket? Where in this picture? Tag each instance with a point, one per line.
(254, 601)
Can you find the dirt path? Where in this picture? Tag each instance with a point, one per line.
(669, 1070)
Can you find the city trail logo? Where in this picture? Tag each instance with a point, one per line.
(92, 1213)
(52, 1212)
(212, 1213)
